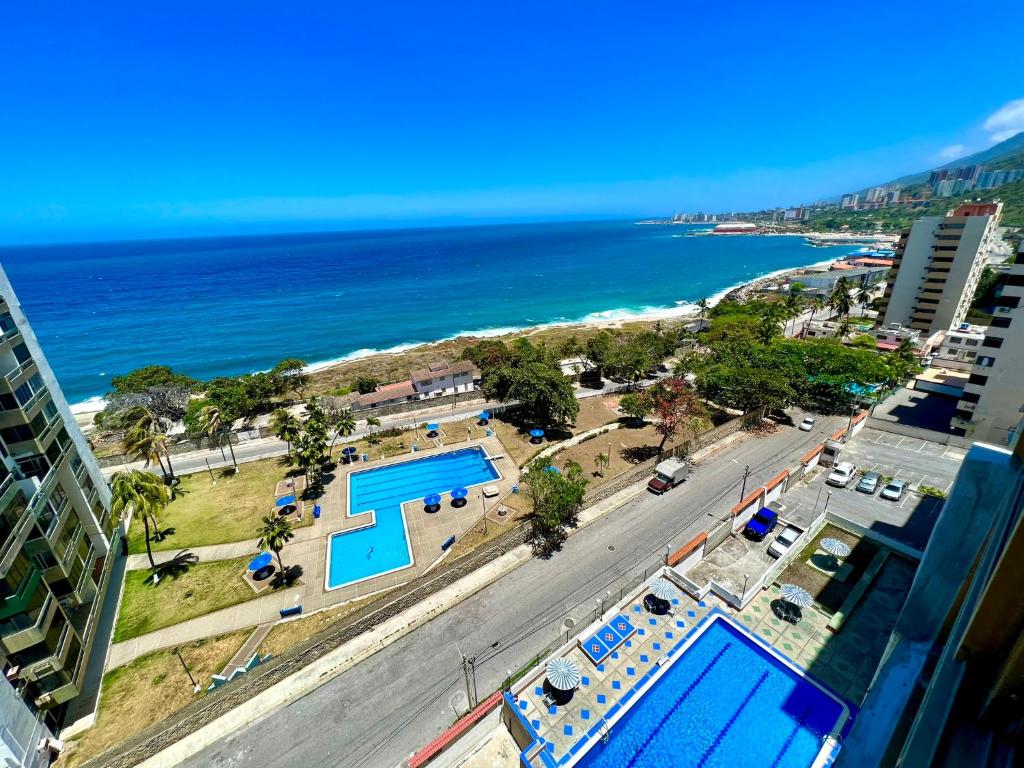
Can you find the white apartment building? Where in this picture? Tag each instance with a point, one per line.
(443, 379)
(938, 264)
(990, 407)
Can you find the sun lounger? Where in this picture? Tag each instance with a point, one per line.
(490, 491)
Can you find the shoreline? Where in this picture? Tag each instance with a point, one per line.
(327, 371)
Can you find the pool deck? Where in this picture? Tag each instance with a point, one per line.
(606, 688)
(426, 531)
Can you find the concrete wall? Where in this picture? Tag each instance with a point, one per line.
(745, 510)
(773, 488)
(20, 731)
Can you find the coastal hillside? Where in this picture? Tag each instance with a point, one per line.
(897, 217)
(1005, 154)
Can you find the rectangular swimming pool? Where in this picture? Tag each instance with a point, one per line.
(382, 544)
(725, 701)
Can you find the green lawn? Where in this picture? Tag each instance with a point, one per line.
(231, 510)
(202, 589)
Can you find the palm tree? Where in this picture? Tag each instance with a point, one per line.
(212, 423)
(286, 427)
(344, 424)
(145, 446)
(372, 421)
(703, 305)
(793, 305)
(817, 305)
(774, 314)
(841, 300)
(601, 461)
(309, 454)
(146, 438)
(140, 492)
(275, 532)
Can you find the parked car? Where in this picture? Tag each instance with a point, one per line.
(784, 541)
(895, 490)
(869, 483)
(807, 424)
(761, 524)
(841, 474)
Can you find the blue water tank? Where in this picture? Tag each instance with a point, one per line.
(490, 433)
(366, 457)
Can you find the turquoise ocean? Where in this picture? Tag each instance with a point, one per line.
(231, 305)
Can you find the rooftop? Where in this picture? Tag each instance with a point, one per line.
(443, 368)
(385, 392)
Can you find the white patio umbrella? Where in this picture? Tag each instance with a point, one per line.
(835, 547)
(663, 589)
(563, 673)
(798, 596)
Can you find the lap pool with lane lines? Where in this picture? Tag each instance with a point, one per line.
(382, 545)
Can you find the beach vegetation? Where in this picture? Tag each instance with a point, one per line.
(557, 499)
(529, 374)
(211, 422)
(150, 377)
(286, 427)
(290, 376)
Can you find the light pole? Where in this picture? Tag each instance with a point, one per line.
(828, 498)
(743, 488)
(195, 685)
(213, 480)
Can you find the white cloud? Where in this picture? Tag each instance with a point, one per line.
(1006, 121)
(952, 152)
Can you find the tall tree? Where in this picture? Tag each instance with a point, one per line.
(703, 305)
(141, 493)
(676, 409)
(274, 533)
(286, 426)
(212, 424)
(291, 376)
(841, 300)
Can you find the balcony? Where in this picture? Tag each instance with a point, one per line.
(20, 371)
(14, 542)
(19, 637)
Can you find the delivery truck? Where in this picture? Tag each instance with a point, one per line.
(667, 475)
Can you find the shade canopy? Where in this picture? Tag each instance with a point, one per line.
(796, 595)
(553, 470)
(284, 501)
(484, 416)
(460, 493)
(262, 560)
(664, 589)
(563, 674)
(835, 547)
(536, 433)
(432, 500)
(433, 427)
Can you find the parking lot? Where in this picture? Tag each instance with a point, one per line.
(909, 520)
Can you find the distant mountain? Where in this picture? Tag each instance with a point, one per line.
(1005, 154)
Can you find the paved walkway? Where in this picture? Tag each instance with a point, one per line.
(243, 654)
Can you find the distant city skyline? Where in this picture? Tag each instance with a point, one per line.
(188, 120)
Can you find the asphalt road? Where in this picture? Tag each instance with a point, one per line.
(384, 708)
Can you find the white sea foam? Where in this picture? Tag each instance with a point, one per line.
(92, 405)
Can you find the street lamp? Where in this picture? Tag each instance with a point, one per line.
(195, 685)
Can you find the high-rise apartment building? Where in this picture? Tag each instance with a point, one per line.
(991, 403)
(949, 691)
(56, 531)
(938, 263)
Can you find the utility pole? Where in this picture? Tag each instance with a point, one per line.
(465, 674)
(213, 480)
(743, 488)
(472, 672)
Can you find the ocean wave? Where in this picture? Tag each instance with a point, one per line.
(91, 405)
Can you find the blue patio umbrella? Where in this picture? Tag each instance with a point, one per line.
(349, 451)
(537, 433)
(484, 417)
(460, 493)
(284, 501)
(796, 595)
(433, 427)
(553, 470)
(432, 500)
(563, 674)
(261, 561)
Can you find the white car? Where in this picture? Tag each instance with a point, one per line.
(842, 474)
(807, 424)
(784, 541)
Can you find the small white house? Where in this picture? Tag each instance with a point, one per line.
(443, 378)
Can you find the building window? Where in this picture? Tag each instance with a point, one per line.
(986, 362)
(971, 342)
(970, 397)
(1001, 322)
(977, 378)
(992, 341)
(1017, 280)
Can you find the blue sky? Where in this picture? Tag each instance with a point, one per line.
(139, 119)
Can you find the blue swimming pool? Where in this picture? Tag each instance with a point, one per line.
(726, 701)
(383, 544)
